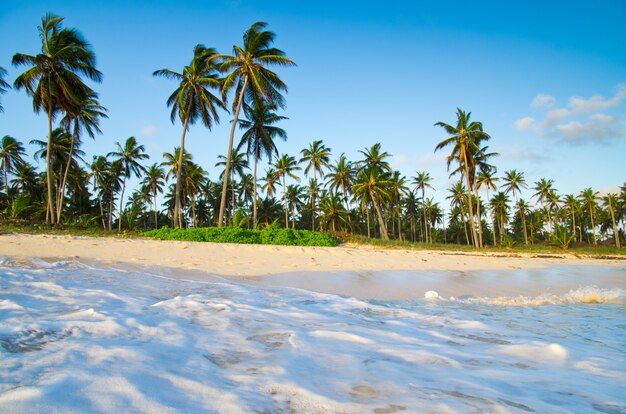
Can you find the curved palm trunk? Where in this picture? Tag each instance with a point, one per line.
(471, 208)
(230, 150)
(178, 222)
(381, 221)
(50, 210)
(425, 219)
(63, 183)
(119, 218)
(6, 180)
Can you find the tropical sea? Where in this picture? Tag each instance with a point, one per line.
(79, 338)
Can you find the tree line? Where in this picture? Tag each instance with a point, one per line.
(363, 197)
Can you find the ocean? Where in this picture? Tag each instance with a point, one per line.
(78, 338)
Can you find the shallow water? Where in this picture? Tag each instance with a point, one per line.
(75, 338)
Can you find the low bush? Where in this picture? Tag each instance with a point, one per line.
(268, 235)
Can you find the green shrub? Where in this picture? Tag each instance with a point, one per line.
(269, 235)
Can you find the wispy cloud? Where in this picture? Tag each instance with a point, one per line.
(583, 119)
(149, 131)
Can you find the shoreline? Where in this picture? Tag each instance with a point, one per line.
(363, 272)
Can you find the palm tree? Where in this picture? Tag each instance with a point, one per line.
(191, 101)
(513, 183)
(458, 200)
(464, 138)
(98, 169)
(285, 166)
(11, 152)
(571, 202)
(374, 158)
(294, 199)
(316, 157)
(421, 181)
(194, 178)
(340, 176)
(398, 190)
(259, 137)
(249, 74)
(611, 201)
(373, 184)
(128, 157)
(238, 165)
(154, 182)
(543, 187)
(53, 79)
(500, 207)
(171, 161)
(3, 85)
(270, 182)
(332, 211)
(85, 115)
(589, 199)
(486, 178)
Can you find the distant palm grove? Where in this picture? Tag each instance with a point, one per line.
(314, 189)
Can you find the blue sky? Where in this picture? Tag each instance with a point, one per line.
(545, 78)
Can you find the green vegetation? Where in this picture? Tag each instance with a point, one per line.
(268, 235)
(363, 200)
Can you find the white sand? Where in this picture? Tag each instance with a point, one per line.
(356, 271)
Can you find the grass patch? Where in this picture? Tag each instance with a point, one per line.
(268, 235)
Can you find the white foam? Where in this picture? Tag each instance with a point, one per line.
(86, 339)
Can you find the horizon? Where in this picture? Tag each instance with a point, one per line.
(552, 98)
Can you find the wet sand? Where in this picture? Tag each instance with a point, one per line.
(363, 272)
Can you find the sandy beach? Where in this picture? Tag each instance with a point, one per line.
(362, 272)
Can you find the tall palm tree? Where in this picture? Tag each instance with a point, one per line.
(513, 182)
(154, 181)
(285, 166)
(589, 198)
(248, 73)
(398, 190)
(192, 100)
(571, 202)
(53, 80)
(486, 178)
(543, 188)
(464, 139)
(374, 158)
(171, 162)
(500, 206)
(610, 202)
(84, 116)
(11, 152)
(238, 164)
(340, 176)
(194, 178)
(128, 157)
(458, 200)
(373, 184)
(421, 181)
(270, 182)
(332, 211)
(317, 158)
(259, 138)
(98, 170)
(3, 85)
(295, 194)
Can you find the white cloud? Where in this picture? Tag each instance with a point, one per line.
(599, 127)
(524, 124)
(419, 162)
(581, 121)
(149, 131)
(543, 101)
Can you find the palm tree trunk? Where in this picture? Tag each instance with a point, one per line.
(425, 220)
(615, 232)
(156, 216)
(256, 158)
(593, 226)
(177, 205)
(119, 218)
(230, 150)
(67, 168)
(471, 208)
(286, 206)
(111, 210)
(381, 221)
(6, 180)
(523, 214)
(50, 212)
(479, 220)
(367, 215)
